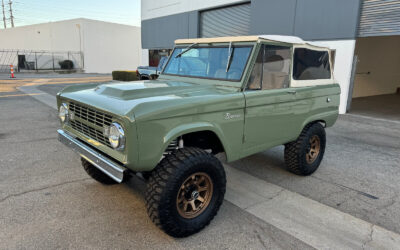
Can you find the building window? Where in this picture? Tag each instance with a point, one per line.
(311, 64)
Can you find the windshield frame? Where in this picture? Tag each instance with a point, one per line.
(215, 45)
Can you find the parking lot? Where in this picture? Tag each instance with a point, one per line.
(47, 201)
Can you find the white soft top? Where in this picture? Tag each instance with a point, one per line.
(285, 39)
(296, 41)
(273, 38)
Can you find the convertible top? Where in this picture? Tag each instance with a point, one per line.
(272, 38)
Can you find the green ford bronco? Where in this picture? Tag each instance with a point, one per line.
(231, 95)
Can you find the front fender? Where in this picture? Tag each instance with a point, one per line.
(195, 127)
(155, 136)
(151, 150)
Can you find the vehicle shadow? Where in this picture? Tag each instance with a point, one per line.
(267, 165)
(137, 186)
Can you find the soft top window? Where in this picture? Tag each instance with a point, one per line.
(311, 64)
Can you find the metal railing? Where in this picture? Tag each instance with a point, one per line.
(40, 60)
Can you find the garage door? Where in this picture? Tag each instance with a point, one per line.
(379, 18)
(228, 21)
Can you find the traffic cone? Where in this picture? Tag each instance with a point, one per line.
(12, 71)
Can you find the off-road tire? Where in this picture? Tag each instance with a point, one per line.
(295, 152)
(165, 182)
(96, 173)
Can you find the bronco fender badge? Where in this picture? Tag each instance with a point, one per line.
(229, 116)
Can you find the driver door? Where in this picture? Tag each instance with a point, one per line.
(269, 111)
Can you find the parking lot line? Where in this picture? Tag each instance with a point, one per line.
(31, 94)
(43, 97)
(314, 223)
(12, 85)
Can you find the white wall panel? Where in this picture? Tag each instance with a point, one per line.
(106, 46)
(109, 47)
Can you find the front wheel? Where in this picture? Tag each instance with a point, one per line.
(304, 155)
(185, 191)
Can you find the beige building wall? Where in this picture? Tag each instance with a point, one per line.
(105, 46)
(380, 56)
(109, 46)
(54, 36)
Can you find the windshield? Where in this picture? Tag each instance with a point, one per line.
(209, 62)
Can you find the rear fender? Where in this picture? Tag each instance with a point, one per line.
(329, 118)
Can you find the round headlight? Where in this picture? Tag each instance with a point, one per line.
(63, 112)
(116, 136)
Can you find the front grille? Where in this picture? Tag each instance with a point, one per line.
(97, 121)
(93, 116)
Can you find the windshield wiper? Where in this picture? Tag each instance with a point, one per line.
(186, 50)
(228, 63)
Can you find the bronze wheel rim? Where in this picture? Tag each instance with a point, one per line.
(315, 147)
(194, 195)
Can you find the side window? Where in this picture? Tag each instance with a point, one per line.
(311, 64)
(276, 67)
(271, 69)
(256, 74)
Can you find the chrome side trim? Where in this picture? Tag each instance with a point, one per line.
(102, 162)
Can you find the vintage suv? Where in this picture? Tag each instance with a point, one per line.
(236, 95)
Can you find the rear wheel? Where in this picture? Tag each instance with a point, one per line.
(96, 173)
(185, 191)
(304, 155)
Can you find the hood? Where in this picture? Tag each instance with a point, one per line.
(144, 97)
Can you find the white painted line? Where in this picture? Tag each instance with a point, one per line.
(17, 95)
(315, 224)
(372, 118)
(41, 96)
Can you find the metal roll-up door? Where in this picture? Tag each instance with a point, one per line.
(379, 18)
(228, 21)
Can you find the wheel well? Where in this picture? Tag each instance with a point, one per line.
(322, 122)
(204, 140)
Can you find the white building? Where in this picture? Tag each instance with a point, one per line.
(96, 46)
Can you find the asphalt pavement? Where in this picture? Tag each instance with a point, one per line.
(47, 201)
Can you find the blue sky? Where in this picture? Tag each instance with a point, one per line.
(39, 11)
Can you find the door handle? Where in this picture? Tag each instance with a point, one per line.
(293, 92)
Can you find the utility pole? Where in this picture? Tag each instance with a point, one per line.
(4, 14)
(11, 15)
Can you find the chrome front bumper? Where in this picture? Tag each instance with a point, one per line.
(102, 162)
